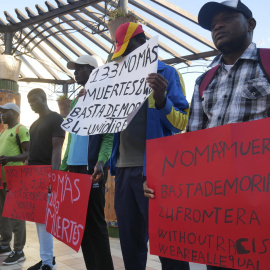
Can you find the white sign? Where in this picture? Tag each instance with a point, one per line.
(113, 92)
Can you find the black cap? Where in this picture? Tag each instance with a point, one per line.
(209, 10)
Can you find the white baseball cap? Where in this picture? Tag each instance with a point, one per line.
(10, 106)
(92, 60)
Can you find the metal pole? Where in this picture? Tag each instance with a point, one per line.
(65, 89)
(123, 4)
(8, 42)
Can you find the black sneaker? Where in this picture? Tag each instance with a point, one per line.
(5, 251)
(38, 265)
(46, 267)
(14, 257)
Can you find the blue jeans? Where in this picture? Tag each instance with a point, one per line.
(45, 242)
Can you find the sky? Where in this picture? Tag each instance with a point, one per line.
(260, 9)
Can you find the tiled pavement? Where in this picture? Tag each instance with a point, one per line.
(68, 259)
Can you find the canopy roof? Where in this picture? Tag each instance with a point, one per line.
(45, 40)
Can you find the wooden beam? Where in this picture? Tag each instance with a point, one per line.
(32, 69)
(89, 36)
(90, 14)
(50, 43)
(2, 22)
(48, 15)
(21, 73)
(162, 45)
(159, 30)
(59, 38)
(46, 81)
(71, 37)
(47, 54)
(197, 56)
(176, 9)
(169, 21)
(24, 60)
(82, 31)
(36, 56)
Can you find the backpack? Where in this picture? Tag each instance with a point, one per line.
(17, 137)
(264, 62)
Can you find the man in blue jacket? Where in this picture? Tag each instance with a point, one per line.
(164, 113)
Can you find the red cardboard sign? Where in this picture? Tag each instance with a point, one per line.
(67, 209)
(212, 200)
(1, 179)
(28, 193)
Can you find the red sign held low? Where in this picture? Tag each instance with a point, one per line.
(1, 179)
(28, 192)
(67, 209)
(212, 200)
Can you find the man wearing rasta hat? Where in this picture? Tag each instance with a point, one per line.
(123, 37)
(164, 113)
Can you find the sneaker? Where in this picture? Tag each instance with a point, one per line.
(46, 267)
(39, 264)
(36, 266)
(14, 257)
(5, 251)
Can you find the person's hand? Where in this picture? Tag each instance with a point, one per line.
(159, 85)
(6, 188)
(82, 92)
(98, 172)
(148, 192)
(4, 160)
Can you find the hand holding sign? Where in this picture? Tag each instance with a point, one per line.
(28, 193)
(114, 91)
(159, 85)
(148, 192)
(66, 213)
(98, 172)
(4, 160)
(211, 196)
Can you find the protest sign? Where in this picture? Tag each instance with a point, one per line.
(28, 193)
(212, 200)
(66, 213)
(1, 179)
(113, 92)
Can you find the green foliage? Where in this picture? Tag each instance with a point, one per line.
(118, 12)
(64, 96)
(113, 14)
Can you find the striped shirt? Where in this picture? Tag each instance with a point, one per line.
(238, 95)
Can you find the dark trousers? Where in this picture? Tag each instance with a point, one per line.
(131, 208)
(95, 243)
(9, 226)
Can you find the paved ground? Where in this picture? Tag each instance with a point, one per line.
(68, 259)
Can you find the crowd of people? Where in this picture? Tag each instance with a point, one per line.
(237, 91)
